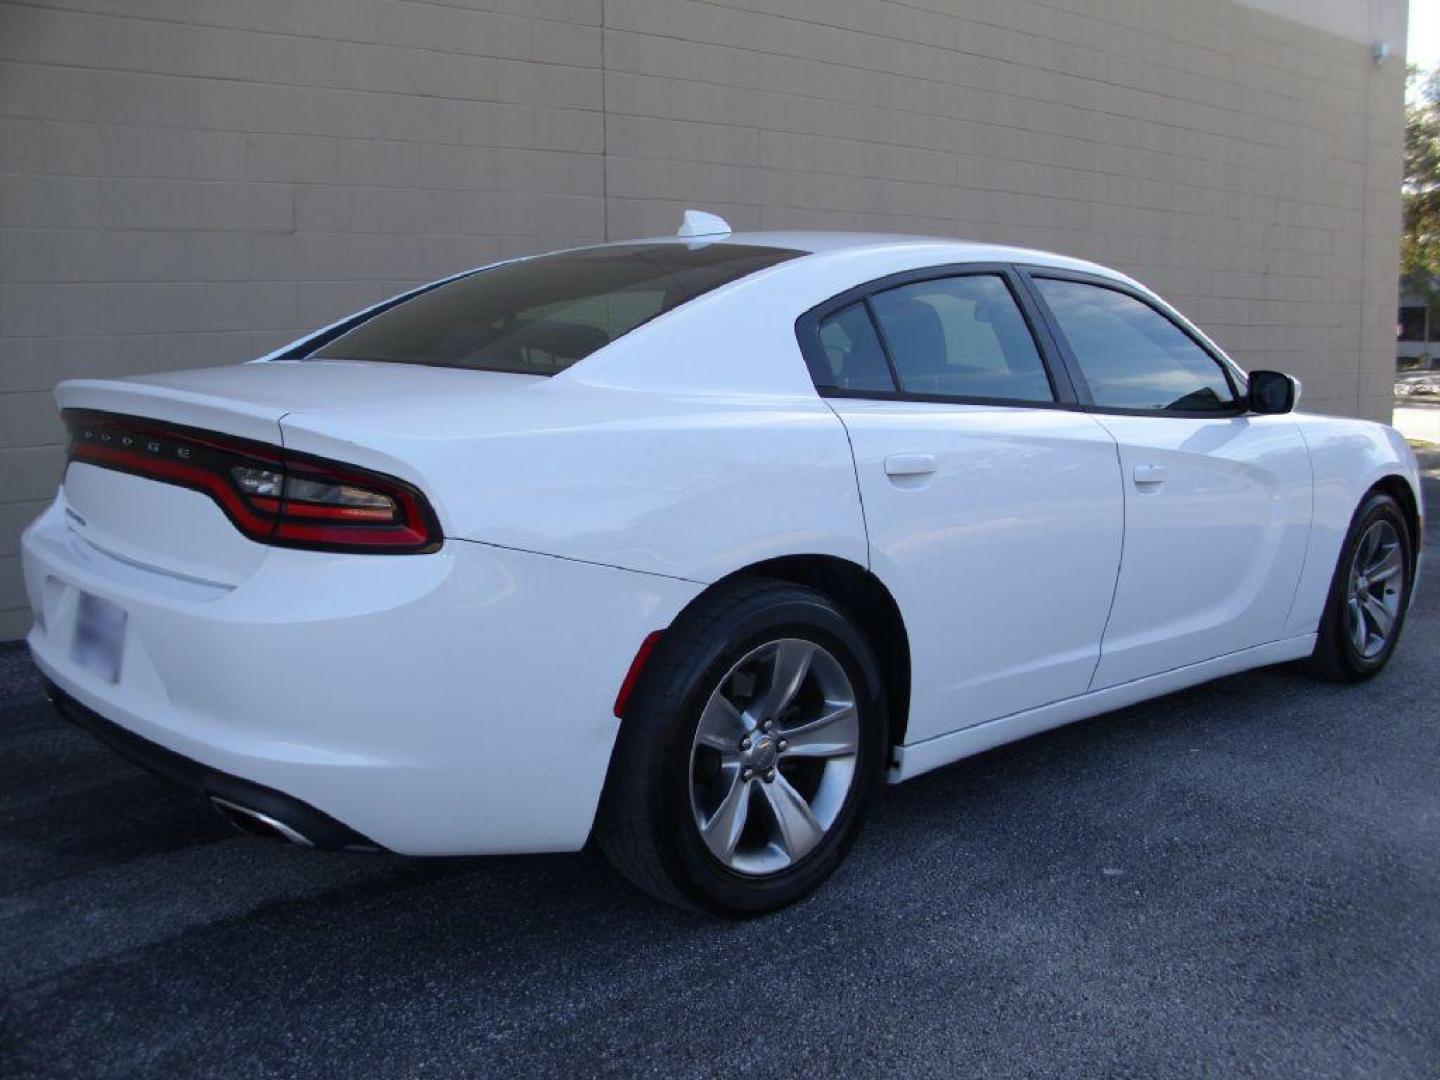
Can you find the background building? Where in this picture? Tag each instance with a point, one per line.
(1417, 333)
(187, 182)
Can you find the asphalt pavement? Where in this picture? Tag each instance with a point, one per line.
(1240, 879)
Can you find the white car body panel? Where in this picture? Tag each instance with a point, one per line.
(1348, 458)
(1003, 560)
(1214, 541)
(116, 513)
(552, 465)
(691, 486)
(913, 759)
(414, 699)
(583, 511)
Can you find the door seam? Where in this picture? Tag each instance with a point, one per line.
(1120, 561)
(1309, 532)
(859, 491)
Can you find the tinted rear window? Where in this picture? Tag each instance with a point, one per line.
(541, 315)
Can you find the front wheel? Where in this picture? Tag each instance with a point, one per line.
(745, 762)
(1368, 595)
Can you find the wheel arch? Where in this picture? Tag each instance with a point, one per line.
(1399, 489)
(874, 609)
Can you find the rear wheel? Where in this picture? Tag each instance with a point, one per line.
(751, 749)
(1369, 594)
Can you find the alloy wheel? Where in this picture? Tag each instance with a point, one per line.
(774, 756)
(1376, 589)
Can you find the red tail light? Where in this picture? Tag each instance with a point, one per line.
(272, 495)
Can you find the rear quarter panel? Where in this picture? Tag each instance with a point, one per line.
(692, 485)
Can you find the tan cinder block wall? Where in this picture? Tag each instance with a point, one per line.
(188, 182)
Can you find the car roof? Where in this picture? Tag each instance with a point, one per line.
(944, 249)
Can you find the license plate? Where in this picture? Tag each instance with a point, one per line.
(99, 644)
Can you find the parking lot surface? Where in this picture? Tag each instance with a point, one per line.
(1241, 878)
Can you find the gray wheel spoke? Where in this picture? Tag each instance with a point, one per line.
(1356, 619)
(832, 734)
(1386, 566)
(820, 748)
(722, 831)
(798, 831)
(789, 666)
(721, 725)
(1379, 615)
(1368, 543)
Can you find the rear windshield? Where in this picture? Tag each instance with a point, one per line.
(539, 316)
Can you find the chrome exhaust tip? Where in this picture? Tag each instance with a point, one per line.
(258, 824)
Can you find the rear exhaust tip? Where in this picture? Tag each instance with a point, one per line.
(258, 824)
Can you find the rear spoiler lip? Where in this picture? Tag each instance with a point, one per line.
(246, 420)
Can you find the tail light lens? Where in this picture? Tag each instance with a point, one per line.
(272, 495)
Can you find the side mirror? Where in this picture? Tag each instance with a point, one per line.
(1273, 392)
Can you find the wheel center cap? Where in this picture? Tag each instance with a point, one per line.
(1362, 586)
(761, 755)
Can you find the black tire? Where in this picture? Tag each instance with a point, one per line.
(646, 826)
(1336, 655)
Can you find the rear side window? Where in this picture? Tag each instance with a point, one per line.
(854, 359)
(962, 337)
(538, 316)
(1130, 355)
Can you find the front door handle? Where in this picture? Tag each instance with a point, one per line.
(909, 464)
(1149, 476)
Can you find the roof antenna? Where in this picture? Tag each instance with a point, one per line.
(699, 223)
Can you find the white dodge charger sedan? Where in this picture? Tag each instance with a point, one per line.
(689, 543)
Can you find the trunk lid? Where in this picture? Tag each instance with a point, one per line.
(184, 532)
(248, 400)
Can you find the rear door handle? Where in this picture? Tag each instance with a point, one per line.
(1149, 475)
(909, 464)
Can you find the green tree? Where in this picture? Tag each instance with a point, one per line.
(1420, 240)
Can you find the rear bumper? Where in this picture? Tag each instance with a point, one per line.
(315, 827)
(453, 703)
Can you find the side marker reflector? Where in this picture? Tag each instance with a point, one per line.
(642, 656)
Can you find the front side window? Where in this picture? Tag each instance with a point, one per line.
(1130, 355)
(538, 316)
(961, 337)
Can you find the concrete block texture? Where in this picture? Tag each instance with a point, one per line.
(188, 182)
